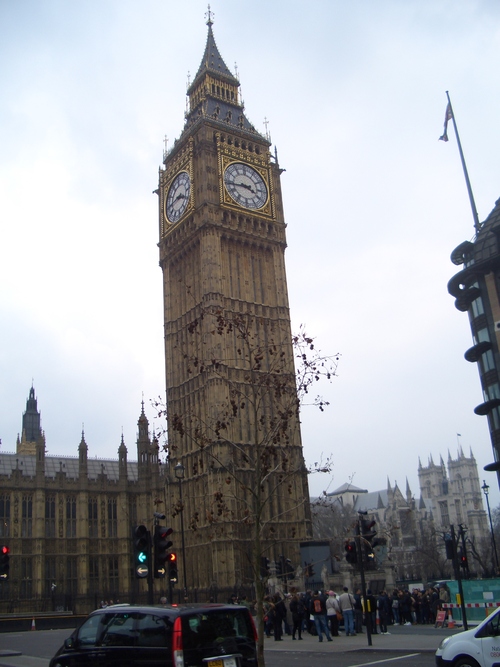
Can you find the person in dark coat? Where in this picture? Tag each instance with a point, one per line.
(384, 611)
(371, 611)
(298, 611)
(279, 615)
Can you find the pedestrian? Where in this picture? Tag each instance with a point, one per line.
(308, 622)
(318, 610)
(346, 602)
(384, 612)
(395, 607)
(358, 611)
(371, 611)
(297, 609)
(279, 615)
(333, 612)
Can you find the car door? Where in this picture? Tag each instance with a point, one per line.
(116, 642)
(489, 638)
(153, 640)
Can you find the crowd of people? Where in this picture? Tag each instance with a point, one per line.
(324, 614)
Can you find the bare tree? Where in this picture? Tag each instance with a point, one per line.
(262, 384)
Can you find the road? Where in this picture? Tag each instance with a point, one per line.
(405, 647)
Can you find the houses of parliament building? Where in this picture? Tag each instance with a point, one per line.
(68, 520)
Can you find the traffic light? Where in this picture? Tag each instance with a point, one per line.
(172, 568)
(142, 550)
(449, 546)
(265, 567)
(367, 529)
(278, 567)
(161, 545)
(4, 562)
(351, 555)
(462, 559)
(289, 569)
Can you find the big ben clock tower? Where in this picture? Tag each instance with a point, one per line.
(222, 245)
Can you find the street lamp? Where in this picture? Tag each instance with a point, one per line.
(179, 473)
(486, 490)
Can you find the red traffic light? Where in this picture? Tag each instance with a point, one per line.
(5, 550)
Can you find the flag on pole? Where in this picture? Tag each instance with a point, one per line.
(447, 116)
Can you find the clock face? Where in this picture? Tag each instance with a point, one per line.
(245, 185)
(177, 197)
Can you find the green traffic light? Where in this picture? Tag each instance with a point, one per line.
(142, 557)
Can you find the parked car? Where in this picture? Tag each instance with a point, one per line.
(191, 635)
(478, 647)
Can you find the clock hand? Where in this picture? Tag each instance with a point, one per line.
(247, 187)
(180, 196)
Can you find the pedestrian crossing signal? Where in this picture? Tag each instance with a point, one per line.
(4, 562)
(172, 568)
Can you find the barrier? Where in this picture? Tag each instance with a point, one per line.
(33, 624)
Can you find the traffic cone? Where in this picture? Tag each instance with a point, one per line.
(451, 622)
(33, 626)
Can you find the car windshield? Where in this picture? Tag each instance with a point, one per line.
(125, 629)
(217, 628)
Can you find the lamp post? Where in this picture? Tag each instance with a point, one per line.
(179, 474)
(486, 490)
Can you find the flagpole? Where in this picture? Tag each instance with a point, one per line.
(477, 224)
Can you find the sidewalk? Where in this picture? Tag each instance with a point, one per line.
(403, 639)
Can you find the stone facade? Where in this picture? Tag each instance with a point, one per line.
(68, 520)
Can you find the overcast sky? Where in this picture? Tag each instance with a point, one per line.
(355, 97)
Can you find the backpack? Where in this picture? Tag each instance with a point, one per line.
(317, 606)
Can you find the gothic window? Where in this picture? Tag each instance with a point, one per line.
(93, 575)
(71, 576)
(5, 515)
(27, 516)
(132, 511)
(71, 516)
(444, 486)
(26, 588)
(92, 517)
(112, 518)
(50, 516)
(50, 575)
(458, 510)
(443, 509)
(113, 581)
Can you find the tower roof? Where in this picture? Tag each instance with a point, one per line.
(213, 63)
(214, 94)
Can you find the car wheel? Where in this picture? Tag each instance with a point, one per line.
(466, 662)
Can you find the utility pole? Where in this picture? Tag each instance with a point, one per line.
(361, 565)
(458, 575)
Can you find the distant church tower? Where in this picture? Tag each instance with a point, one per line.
(454, 493)
(222, 245)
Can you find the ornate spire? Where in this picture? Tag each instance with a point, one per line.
(209, 14)
(214, 92)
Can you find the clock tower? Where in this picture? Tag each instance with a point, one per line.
(222, 245)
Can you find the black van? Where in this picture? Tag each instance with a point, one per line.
(190, 635)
